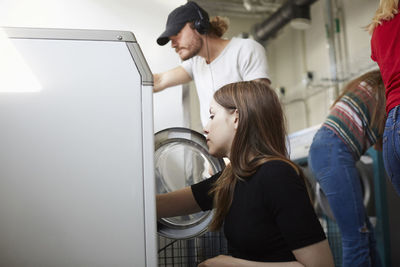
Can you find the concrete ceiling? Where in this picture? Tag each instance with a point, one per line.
(253, 9)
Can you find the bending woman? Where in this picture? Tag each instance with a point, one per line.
(355, 123)
(260, 198)
(385, 50)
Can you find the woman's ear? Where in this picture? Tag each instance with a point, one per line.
(236, 119)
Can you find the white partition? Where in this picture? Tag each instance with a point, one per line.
(76, 157)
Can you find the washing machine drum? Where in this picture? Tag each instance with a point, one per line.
(182, 159)
(365, 171)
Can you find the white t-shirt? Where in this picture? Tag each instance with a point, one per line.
(241, 60)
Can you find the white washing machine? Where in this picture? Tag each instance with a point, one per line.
(77, 145)
(79, 162)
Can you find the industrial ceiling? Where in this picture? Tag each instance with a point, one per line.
(254, 9)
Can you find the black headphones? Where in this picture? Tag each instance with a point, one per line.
(202, 24)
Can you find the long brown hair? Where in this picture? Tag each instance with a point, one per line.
(373, 79)
(386, 11)
(260, 137)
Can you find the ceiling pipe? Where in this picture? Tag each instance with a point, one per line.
(269, 27)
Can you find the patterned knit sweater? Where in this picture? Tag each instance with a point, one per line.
(350, 119)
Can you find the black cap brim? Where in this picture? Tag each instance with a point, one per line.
(170, 31)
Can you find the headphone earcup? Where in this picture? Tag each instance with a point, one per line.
(198, 26)
(201, 26)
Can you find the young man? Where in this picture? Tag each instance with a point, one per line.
(209, 60)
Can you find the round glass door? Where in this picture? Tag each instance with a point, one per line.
(182, 159)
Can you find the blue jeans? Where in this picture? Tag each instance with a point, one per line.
(391, 147)
(334, 167)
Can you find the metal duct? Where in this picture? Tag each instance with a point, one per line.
(268, 28)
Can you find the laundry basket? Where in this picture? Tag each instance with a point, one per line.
(191, 252)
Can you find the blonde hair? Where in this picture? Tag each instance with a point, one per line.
(218, 26)
(386, 11)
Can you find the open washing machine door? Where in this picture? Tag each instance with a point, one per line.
(181, 159)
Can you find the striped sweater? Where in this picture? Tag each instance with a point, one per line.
(350, 119)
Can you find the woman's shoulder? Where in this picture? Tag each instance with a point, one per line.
(277, 170)
(279, 179)
(277, 165)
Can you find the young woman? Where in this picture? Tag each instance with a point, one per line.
(385, 50)
(355, 123)
(260, 198)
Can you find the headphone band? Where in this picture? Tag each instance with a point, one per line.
(202, 24)
(200, 15)
(198, 10)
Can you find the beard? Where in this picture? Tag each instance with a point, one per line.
(193, 48)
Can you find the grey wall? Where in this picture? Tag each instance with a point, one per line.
(295, 52)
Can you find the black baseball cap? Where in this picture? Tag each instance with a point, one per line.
(179, 17)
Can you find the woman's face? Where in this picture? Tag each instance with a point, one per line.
(220, 130)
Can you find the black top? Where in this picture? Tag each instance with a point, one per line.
(271, 214)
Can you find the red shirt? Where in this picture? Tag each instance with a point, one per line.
(385, 50)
